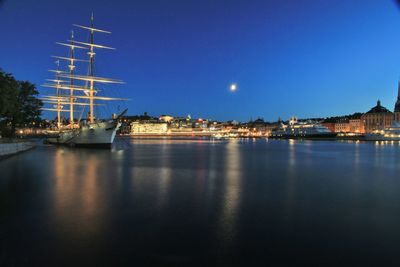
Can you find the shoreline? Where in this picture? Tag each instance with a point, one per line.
(9, 149)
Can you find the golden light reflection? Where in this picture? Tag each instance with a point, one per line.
(89, 192)
(75, 189)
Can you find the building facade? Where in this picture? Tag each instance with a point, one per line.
(377, 118)
(329, 125)
(342, 126)
(166, 118)
(138, 128)
(356, 125)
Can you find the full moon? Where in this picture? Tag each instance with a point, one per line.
(233, 87)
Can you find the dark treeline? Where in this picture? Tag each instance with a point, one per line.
(19, 105)
(356, 115)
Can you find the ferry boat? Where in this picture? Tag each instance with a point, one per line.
(389, 134)
(302, 130)
(74, 92)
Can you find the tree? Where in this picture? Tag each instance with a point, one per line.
(29, 105)
(19, 104)
(8, 101)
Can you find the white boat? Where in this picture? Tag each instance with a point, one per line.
(302, 130)
(390, 134)
(74, 92)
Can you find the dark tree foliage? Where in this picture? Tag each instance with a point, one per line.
(19, 105)
(356, 115)
(28, 103)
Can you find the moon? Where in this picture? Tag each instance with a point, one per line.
(233, 87)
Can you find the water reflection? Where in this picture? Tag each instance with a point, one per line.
(165, 175)
(232, 192)
(292, 154)
(290, 188)
(76, 189)
(212, 199)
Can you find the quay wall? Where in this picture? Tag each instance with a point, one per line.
(8, 149)
(177, 134)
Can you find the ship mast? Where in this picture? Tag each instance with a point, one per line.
(89, 90)
(59, 107)
(91, 54)
(57, 84)
(71, 98)
(71, 67)
(90, 77)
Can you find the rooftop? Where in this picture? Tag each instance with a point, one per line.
(378, 109)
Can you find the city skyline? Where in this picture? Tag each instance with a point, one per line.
(181, 58)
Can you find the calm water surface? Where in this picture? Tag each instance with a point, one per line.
(202, 202)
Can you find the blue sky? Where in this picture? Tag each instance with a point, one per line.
(305, 58)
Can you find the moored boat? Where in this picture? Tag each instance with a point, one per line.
(390, 134)
(302, 130)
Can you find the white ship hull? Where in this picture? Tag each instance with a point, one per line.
(381, 137)
(303, 131)
(99, 134)
(390, 134)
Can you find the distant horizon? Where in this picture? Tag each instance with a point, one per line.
(287, 58)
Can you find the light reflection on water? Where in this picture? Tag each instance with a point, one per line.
(231, 193)
(170, 201)
(77, 186)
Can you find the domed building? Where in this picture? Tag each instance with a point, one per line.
(377, 118)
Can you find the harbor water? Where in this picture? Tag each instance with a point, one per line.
(202, 202)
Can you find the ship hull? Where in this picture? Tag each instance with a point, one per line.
(96, 135)
(379, 137)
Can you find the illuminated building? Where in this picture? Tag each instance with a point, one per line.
(377, 118)
(356, 125)
(138, 128)
(329, 125)
(166, 118)
(342, 126)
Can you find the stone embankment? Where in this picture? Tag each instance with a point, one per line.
(11, 148)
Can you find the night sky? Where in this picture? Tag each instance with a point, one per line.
(307, 58)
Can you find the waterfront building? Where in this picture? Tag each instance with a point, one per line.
(181, 122)
(259, 127)
(377, 118)
(330, 125)
(356, 125)
(345, 124)
(200, 123)
(166, 118)
(397, 106)
(342, 126)
(29, 131)
(138, 128)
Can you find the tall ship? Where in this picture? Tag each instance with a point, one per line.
(302, 130)
(77, 92)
